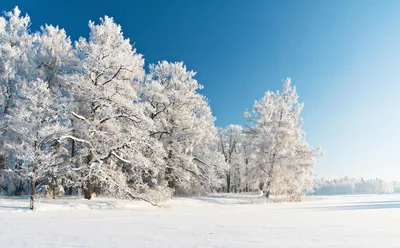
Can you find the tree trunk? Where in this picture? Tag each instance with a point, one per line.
(95, 189)
(88, 190)
(268, 190)
(169, 177)
(2, 167)
(73, 148)
(228, 182)
(5, 111)
(8, 98)
(53, 188)
(32, 203)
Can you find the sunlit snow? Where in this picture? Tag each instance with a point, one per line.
(214, 221)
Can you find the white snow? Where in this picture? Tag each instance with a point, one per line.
(214, 221)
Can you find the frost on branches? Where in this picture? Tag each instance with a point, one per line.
(185, 126)
(116, 151)
(84, 116)
(15, 67)
(230, 144)
(38, 122)
(283, 159)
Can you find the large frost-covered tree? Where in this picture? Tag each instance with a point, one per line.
(284, 160)
(37, 121)
(184, 125)
(15, 68)
(55, 61)
(116, 150)
(26, 57)
(15, 64)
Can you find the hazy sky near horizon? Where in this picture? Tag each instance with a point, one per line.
(343, 56)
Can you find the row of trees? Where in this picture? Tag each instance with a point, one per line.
(87, 116)
(348, 186)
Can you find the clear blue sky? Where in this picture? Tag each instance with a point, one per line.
(344, 57)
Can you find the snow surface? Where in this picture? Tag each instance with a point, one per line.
(213, 221)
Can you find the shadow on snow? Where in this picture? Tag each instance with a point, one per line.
(13, 208)
(373, 205)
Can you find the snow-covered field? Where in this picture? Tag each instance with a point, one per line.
(214, 221)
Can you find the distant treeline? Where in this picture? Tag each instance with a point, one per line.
(348, 186)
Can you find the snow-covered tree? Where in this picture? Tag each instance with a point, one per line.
(15, 64)
(248, 157)
(184, 125)
(55, 61)
(284, 160)
(210, 162)
(230, 139)
(38, 122)
(117, 152)
(15, 68)
(54, 57)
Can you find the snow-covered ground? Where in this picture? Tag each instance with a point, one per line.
(214, 221)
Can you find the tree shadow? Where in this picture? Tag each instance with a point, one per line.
(378, 202)
(208, 200)
(225, 199)
(16, 203)
(90, 204)
(363, 206)
(19, 208)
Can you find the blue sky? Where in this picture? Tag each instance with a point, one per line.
(343, 56)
